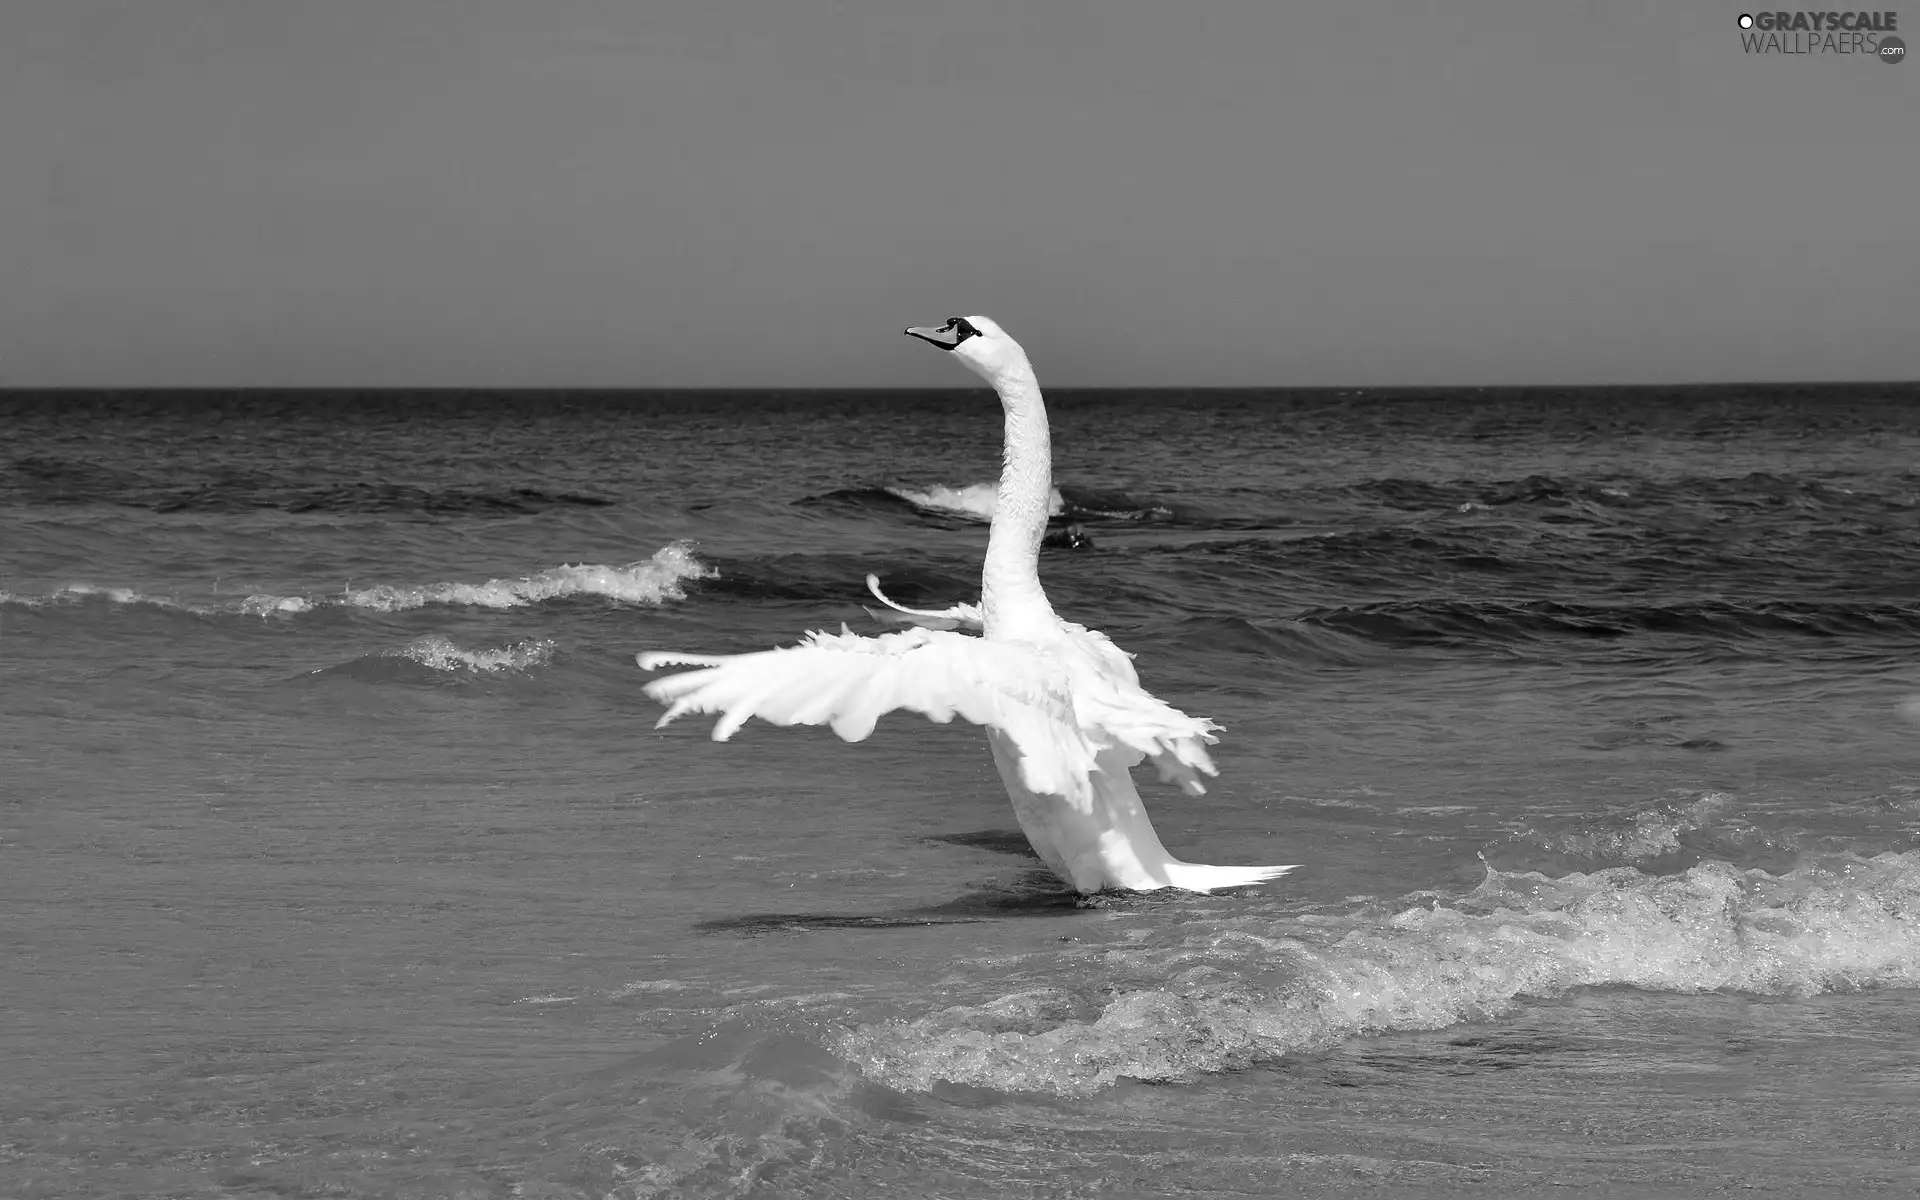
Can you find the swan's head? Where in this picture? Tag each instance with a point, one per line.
(977, 342)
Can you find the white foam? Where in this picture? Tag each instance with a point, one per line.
(970, 500)
(1265, 987)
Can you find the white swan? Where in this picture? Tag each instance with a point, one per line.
(1064, 712)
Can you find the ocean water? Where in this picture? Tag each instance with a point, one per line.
(339, 855)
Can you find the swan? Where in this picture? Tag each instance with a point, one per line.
(1065, 715)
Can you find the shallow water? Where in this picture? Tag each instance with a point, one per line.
(341, 856)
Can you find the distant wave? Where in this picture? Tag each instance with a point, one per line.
(1212, 999)
(1367, 634)
(1753, 571)
(1496, 623)
(43, 479)
(376, 498)
(653, 580)
(1756, 490)
(974, 500)
(1609, 502)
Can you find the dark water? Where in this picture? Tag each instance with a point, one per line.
(339, 855)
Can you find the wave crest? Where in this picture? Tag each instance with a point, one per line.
(653, 580)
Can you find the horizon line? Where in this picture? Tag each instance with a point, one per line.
(626, 389)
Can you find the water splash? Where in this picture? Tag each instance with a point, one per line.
(442, 655)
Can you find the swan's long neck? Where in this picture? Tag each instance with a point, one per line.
(1012, 602)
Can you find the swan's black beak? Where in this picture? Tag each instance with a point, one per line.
(948, 336)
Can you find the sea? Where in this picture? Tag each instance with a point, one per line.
(340, 854)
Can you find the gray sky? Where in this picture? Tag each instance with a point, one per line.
(667, 193)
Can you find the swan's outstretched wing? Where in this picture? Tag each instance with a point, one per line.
(847, 682)
(1112, 707)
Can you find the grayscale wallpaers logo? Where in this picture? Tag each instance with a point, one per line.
(1867, 34)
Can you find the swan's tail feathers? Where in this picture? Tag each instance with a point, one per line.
(959, 614)
(1196, 877)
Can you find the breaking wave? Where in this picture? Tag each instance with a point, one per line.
(1180, 1002)
(651, 581)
